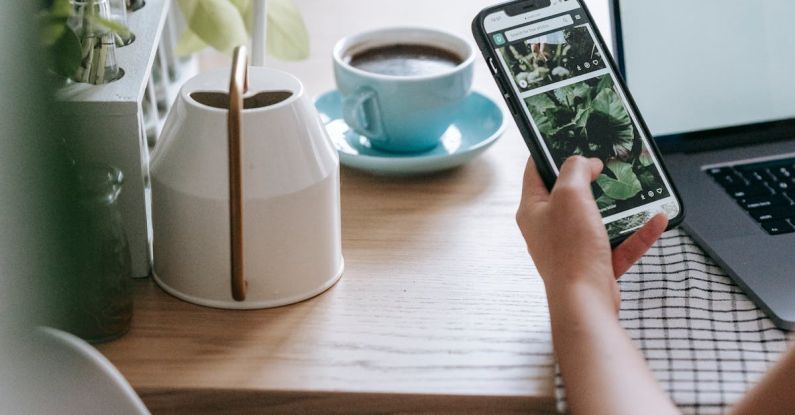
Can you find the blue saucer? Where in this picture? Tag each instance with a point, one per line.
(479, 123)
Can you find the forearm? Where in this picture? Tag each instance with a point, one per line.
(603, 371)
(774, 393)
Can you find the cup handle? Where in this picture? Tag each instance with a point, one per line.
(362, 112)
(238, 85)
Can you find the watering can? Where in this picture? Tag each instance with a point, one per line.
(245, 192)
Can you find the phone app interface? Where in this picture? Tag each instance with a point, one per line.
(576, 107)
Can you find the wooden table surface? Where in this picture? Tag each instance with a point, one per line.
(440, 308)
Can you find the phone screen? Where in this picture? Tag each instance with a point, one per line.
(557, 69)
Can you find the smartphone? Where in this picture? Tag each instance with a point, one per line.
(567, 98)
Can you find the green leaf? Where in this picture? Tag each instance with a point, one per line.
(52, 21)
(216, 22)
(648, 179)
(65, 54)
(540, 103)
(188, 44)
(52, 28)
(287, 35)
(614, 126)
(645, 159)
(241, 5)
(605, 202)
(541, 108)
(609, 103)
(61, 8)
(626, 184)
(582, 117)
(606, 82)
(246, 9)
(576, 94)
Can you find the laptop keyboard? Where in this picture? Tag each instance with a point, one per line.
(766, 190)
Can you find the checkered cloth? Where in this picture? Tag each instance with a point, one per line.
(705, 341)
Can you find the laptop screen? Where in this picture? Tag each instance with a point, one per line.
(708, 64)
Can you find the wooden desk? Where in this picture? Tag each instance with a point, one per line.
(439, 310)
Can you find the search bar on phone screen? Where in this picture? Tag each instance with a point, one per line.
(536, 28)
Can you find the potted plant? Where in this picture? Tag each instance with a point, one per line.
(80, 38)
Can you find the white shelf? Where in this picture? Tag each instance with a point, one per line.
(109, 123)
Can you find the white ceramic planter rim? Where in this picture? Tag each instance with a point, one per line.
(252, 305)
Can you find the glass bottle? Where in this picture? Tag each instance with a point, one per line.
(118, 13)
(100, 295)
(98, 64)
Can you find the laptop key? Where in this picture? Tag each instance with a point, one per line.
(761, 202)
(747, 192)
(728, 179)
(784, 174)
(769, 176)
(717, 171)
(778, 227)
(754, 177)
(763, 215)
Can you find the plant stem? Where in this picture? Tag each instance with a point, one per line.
(101, 67)
(88, 59)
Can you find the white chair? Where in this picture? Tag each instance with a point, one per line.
(54, 372)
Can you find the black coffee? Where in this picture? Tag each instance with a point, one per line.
(405, 60)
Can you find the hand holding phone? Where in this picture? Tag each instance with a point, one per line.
(567, 98)
(565, 236)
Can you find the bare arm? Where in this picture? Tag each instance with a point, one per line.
(603, 371)
(775, 393)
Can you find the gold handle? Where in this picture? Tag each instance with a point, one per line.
(238, 85)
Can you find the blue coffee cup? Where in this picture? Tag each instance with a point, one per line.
(402, 113)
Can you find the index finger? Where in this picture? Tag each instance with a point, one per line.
(534, 190)
(578, 172)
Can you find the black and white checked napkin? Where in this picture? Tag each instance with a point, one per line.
(705, 341)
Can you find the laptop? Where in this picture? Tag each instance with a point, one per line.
(715, 81)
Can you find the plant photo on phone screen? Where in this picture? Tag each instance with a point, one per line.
(552, 58)
(589, 118)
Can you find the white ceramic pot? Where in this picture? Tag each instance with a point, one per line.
(280, 243)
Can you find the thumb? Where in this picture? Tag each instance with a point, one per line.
(631, 250)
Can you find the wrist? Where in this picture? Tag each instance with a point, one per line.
(590, 293)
